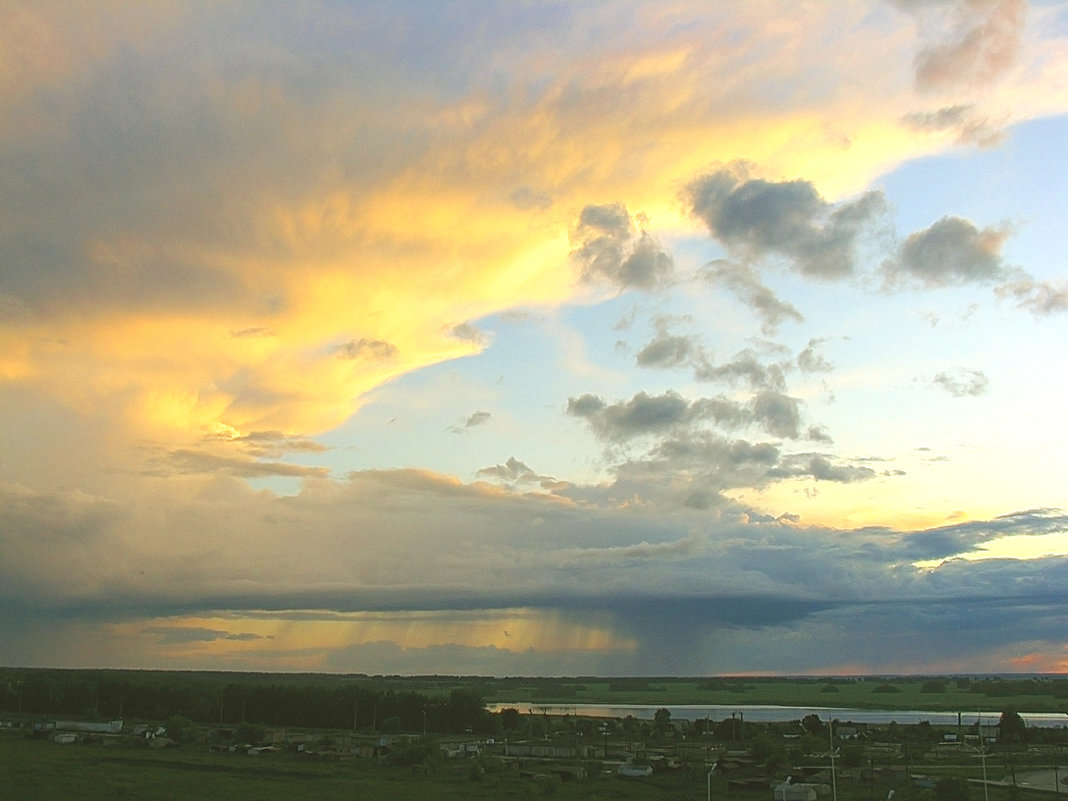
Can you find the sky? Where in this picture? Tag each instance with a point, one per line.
(658, 337)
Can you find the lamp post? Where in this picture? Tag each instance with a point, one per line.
(710, 772)
(834, 781)
(982, 753)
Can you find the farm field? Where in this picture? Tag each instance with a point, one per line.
(39, 770)
(862, 693)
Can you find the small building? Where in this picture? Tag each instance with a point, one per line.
(793, 792)
(631, 771)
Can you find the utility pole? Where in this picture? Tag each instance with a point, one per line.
(834, 781)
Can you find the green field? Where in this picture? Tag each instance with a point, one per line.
(40, 770)
(862, 693)
(124, 767)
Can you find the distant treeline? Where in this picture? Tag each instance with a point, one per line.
(232, 698)
(1058, 688)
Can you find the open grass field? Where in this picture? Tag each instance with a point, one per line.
(39, 770)
(865, 693)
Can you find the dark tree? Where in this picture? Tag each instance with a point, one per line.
(509, 718)
(813, 725)
(662, 719)
(952, 788)
(1011, 727)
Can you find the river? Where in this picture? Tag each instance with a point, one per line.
(777, 714)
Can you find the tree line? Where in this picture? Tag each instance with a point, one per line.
(229, 699)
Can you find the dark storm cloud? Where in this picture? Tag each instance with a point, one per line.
(947, 541)
(606, 249)
(176, 635)
(757, 218)
(962, 383)
(952, 251)
(582, 555)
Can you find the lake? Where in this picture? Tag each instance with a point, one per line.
(777, 714)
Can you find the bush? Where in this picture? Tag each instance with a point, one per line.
(952, 788)
(248, 733)
(179, 729)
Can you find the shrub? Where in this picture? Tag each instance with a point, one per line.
(952, 788)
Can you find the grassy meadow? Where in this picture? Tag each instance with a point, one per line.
(40, 770)
(932, 694)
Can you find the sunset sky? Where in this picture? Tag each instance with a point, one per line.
(535, 338)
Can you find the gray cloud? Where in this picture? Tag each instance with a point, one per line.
(642, 414)
(375, 349)
(962, 383)
(274, 444)
(951, 251)
(974, 41)
(778, 413)
(821, 468)
(185, 460)
(528, 199)
(1038, 297)
(515, 473)
(711, 581)
(473, 420)
(665, 351)
(252, 333)
(744, 283)
(746, 367)
(809, 360)
(468, 333)
(173, 635)
(757, 218)
(818, 434)
(606, 249)
(971, 128)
